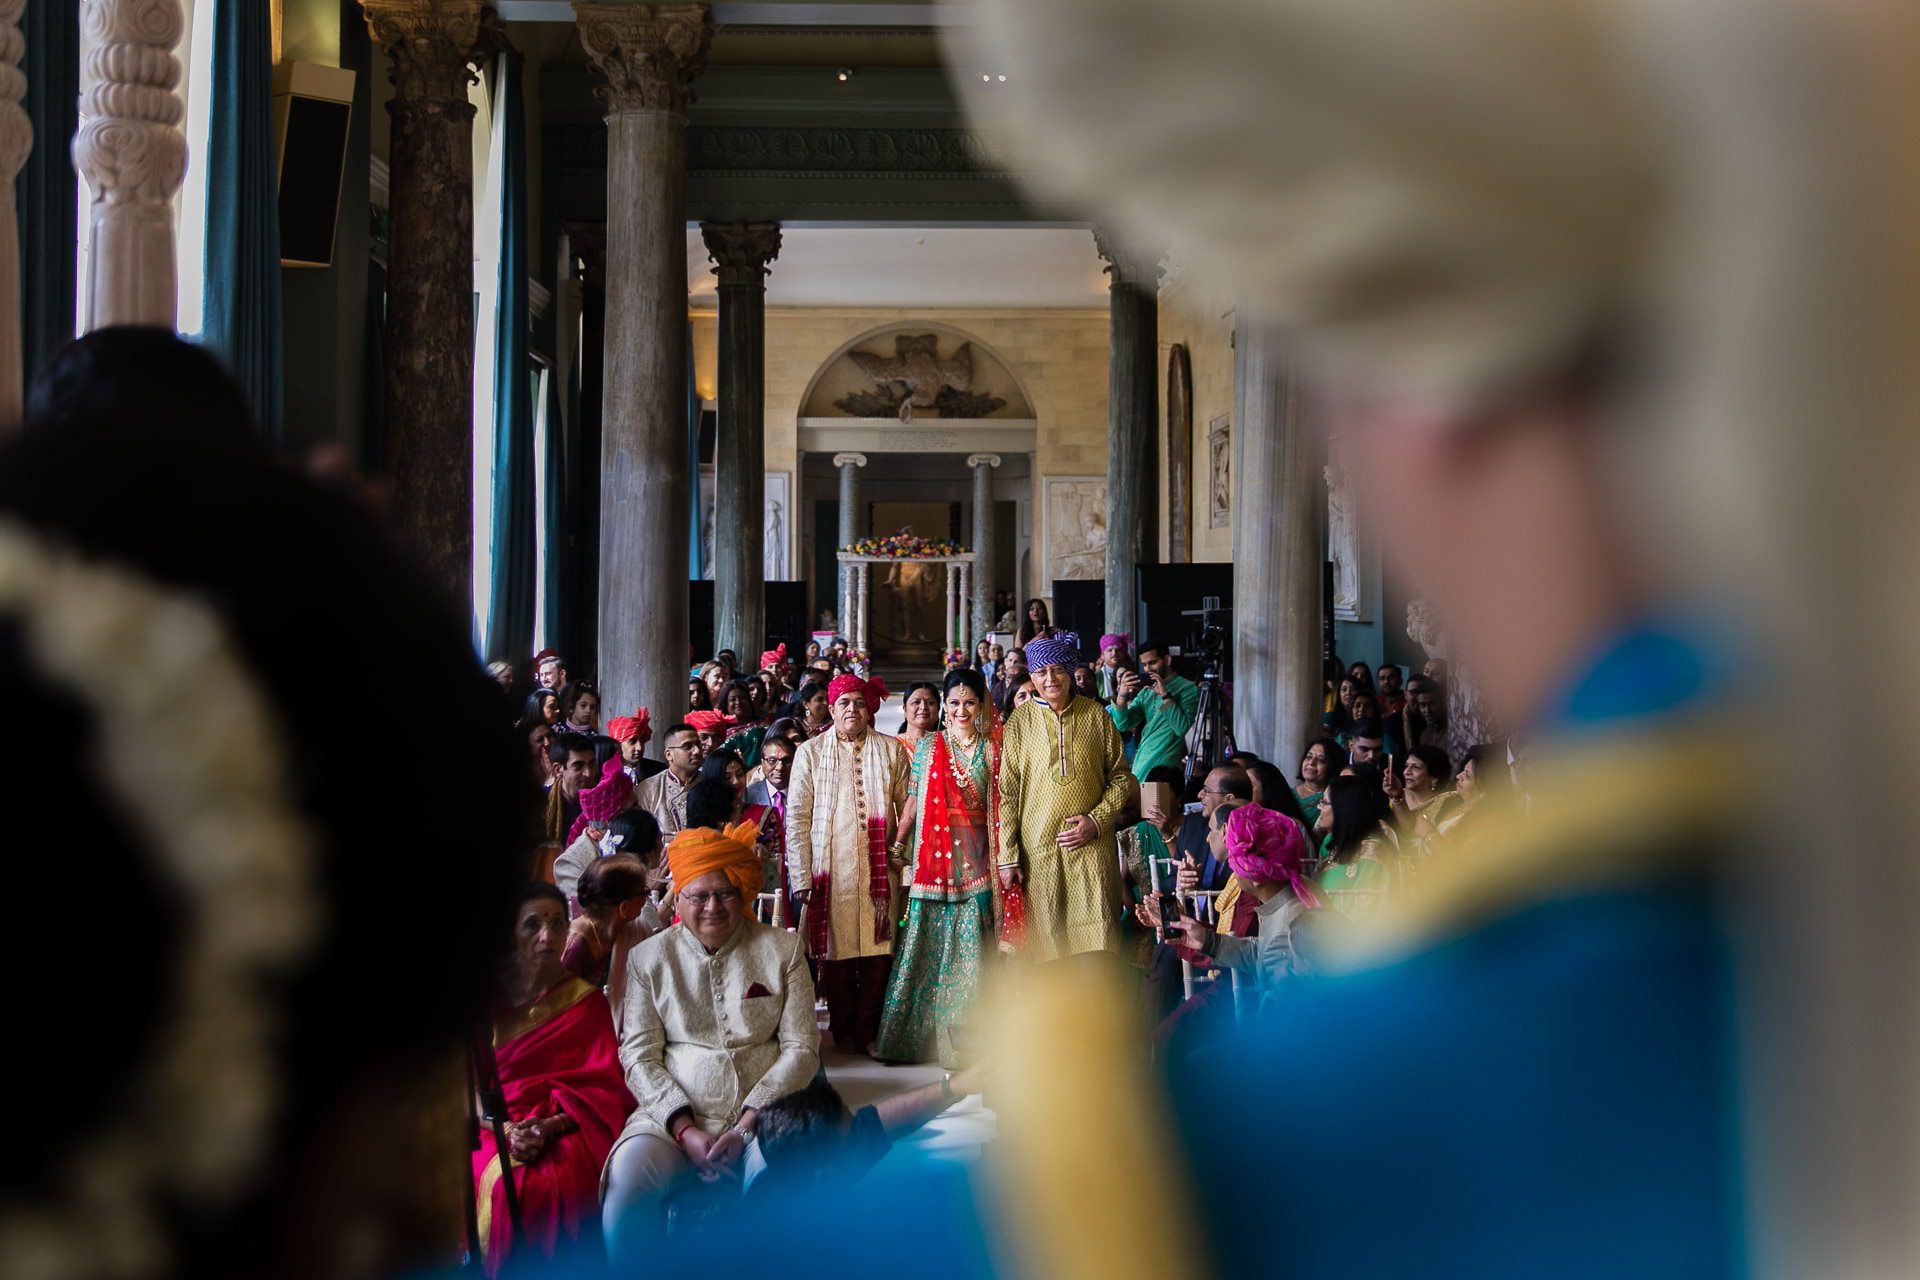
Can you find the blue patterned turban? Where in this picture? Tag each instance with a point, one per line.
(1061, 649)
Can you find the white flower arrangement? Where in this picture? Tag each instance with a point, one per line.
(190, 746)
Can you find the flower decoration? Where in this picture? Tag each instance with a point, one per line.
(904, 546)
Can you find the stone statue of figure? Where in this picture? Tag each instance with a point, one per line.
(1469, 722)
(1343, 541)
(907, 584)
(776, 541)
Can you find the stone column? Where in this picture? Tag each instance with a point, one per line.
(649, 57)
(1132, 413)
(864, 574)
(1279, 513)
(133, 156)
(849, 464)
(982, 606)
(741, 250)
(16, 140)
(429, 389)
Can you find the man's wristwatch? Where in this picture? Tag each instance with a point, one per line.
(946, 1086)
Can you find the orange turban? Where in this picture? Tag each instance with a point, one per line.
(698, 850)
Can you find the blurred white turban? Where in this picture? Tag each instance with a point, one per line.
(1458, 201)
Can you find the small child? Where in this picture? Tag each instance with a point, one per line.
(616, 913)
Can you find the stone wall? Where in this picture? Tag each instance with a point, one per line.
(1059, 357)
(1202, 318)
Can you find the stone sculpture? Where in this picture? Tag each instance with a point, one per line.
(914, 378)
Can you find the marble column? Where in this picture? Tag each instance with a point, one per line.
(648, 57)
(849, 464)
(429, 387)
(16, 140)
(133, 156)
(1132, 415)
(1279, 514)
(982, 606)
(741, 251)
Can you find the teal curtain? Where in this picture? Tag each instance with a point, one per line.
(242, 317)
(553, 527)
(510, 620)
(46, 197)
(694, 567)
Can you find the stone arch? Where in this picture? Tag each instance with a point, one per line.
(1004, 378)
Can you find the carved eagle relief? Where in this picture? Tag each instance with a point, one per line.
(915, 377)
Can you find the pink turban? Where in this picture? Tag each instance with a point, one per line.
(599, 803)
(874, 691)
(1115, 641)
(1264, 845)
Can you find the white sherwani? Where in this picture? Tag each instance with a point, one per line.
(827, 830)
(665, 798)
(715, 1033)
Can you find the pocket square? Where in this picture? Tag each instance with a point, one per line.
(756, 991)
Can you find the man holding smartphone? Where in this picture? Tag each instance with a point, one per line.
(1160, 704)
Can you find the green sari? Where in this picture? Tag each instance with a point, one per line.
(1355, 889)
(937, 953)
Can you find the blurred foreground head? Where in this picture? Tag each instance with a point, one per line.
(1660, 260)
(247, 1038)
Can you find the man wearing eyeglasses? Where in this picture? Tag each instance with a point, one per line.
(664, 795)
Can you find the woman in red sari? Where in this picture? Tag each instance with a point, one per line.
(566, 1095)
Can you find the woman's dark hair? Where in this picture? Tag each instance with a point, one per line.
(637, 830)
(745, 690)
(571, 695)
(136, 374)
(150, 470)
(524, 727)
(1276, 793)
(608, 882)
(537, 701)
(1356, 802)
(1341, 717)
(710, 803)
(1436, 761)
(604, 749)
(1166, 774)
(1491, 776)
(699, 697)
(1029, 629)
(537, 891)
(1335, 753)
(784, 727)
(975, 683)
(715, 765)
(1361, 674)
(916, 687)
(808, 691)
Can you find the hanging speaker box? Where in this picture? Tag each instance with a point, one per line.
(312, 106)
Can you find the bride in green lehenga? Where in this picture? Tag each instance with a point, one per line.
(948, 834)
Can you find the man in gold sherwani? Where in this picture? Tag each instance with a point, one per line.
(848, 788)
(1063, 784)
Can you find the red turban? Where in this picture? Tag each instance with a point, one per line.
(698, 850)
(774, 656)
(874, 691)
(627, 728)
(705, 720)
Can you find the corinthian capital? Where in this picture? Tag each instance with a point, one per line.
(430, 43)
(1126, 263)
(649, 54)
(741, 250)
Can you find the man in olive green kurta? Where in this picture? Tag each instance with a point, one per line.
(1063, 785)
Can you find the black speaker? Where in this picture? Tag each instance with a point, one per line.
(786, 606)
(312, 107)
(1081, 607)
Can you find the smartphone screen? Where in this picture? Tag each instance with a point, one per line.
(1195, 807)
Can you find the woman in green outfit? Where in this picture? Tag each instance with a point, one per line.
(1358, 870)
(1319, 765)
(949, 835)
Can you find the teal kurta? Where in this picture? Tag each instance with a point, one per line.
(1053, 768)
(1163, 724)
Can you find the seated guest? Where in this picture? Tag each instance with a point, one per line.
(1482, 790)
(1023, 695)
(633, 733)
(566, 1097)
(537, 733)
(598, 805)
(1268, 855)
(814, 709)
(698, 699)
(712, 728)
(545, 703)
(1424, 718)
(617, 912)
(1086, 685)
(1426, 797)
(983, 658)
(1272, 791)
(714, 675)
(549, 670)
(712, 802)
(810, 1138)
(716, 1022)
(664, 795)
(744, 727)
(572, 759)
(580, 708)
(1393, 700)
(1319, 765)
(770, 794)
(1365, 711)
(1114, 658)
(1358, 870)
(1365, 743)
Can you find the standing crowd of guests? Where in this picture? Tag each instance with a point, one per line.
(689, 914)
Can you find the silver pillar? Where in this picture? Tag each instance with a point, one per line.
(983, 465)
